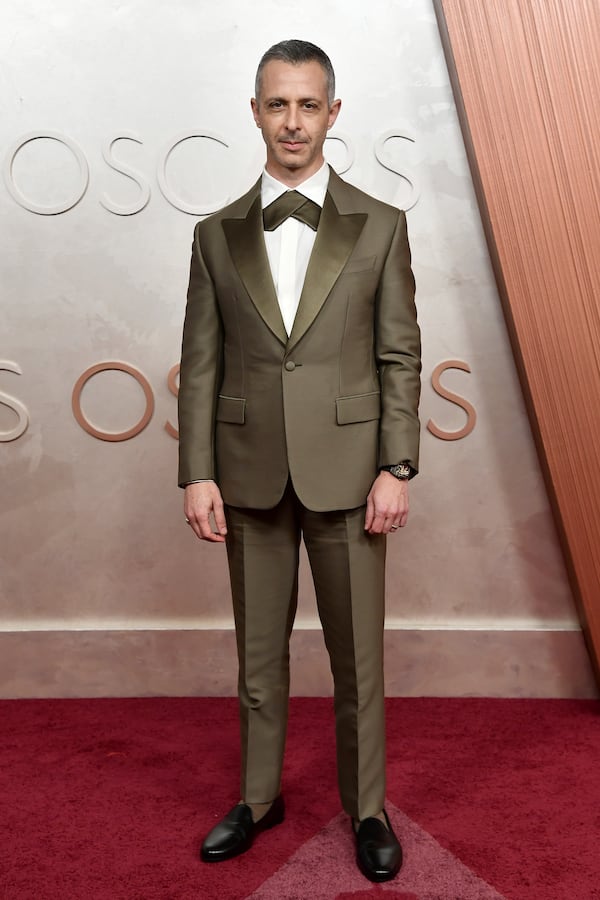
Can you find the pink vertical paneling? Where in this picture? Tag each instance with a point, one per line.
(527, 82)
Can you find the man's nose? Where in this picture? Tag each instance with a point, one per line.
(292, 120)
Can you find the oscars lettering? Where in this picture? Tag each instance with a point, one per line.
(21, 412)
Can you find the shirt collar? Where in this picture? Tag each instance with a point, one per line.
(314, 187)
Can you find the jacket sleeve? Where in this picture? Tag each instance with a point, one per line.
(200, 372)
(398, 354)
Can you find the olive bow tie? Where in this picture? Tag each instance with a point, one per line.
(291, 204)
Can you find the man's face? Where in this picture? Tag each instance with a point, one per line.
(294, 116)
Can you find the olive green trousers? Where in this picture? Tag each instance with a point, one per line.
(348, 568)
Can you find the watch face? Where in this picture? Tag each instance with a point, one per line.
(402, 470)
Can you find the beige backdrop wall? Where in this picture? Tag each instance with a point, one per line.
(122, 124)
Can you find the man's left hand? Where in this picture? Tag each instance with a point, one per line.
(387, 504)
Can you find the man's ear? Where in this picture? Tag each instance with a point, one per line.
(255, 113)
(334, 111)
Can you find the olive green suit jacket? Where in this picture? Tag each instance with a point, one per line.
(325, 406)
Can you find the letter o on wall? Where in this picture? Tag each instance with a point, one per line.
(31, 205)
(174, 388)
(112, 435)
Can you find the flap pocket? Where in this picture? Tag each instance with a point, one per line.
(231, 409)
(360, 408)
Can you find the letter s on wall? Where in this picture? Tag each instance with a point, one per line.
(383, 158)
(453, 398)
(129, 172)
(17, 407)
(344, 139)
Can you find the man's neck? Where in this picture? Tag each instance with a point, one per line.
(292, 178)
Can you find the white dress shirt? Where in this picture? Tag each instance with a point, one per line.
(289, 246)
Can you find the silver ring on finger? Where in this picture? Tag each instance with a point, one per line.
(395, 527)
(187, 521)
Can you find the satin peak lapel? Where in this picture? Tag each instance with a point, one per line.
(336, 236)
(248, 252)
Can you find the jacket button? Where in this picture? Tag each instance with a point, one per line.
(290, 366)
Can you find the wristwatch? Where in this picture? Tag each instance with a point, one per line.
(402, 471)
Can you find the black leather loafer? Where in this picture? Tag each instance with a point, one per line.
(378, 852)
(235, 833)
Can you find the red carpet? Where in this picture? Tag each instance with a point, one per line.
(109, 799)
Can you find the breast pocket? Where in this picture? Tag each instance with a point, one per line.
(361, 264)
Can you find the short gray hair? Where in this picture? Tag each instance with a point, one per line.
(296, 52)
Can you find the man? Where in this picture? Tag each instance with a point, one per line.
(298, 406)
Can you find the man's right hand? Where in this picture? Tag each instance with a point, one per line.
(200, 500)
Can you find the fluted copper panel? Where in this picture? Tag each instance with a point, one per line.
(527, 82)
